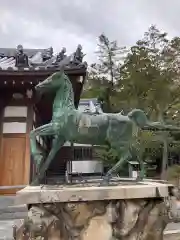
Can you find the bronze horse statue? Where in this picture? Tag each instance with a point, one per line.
(69, 124)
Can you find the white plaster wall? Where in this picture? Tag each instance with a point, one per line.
(14, 127)
(15, 111)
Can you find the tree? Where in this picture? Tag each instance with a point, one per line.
(102, 82)
(147, 78)
(149, 81)
(105, 72)
(163, 54)
(135, 78)
(173, 175)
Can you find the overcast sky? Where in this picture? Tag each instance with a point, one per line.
(58, 23)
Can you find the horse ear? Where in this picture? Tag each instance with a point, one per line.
(58, 74)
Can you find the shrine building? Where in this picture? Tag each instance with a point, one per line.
(20, 111)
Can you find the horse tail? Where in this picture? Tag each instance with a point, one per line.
(139, 117)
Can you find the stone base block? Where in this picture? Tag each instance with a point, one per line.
(95, 213)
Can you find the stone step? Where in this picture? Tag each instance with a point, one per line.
(14, 215)
(6, 228)
(13, 209)
(6, 201)
(10, 211)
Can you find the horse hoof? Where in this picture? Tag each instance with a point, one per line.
(105, 181)
(38, 160)
(35, 182)
(139, 178)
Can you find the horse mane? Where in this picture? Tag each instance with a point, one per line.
(67, 90)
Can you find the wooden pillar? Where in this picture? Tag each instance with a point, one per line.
(28, 160)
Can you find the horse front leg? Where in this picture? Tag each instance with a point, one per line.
(57, 144)
(120, 142)
(45, 130)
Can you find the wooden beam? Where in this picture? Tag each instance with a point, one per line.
(42, 72)
(14, 119)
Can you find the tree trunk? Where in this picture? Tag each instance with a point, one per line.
(164, 159)
(165, 149)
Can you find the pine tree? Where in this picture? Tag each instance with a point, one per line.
(105, 72)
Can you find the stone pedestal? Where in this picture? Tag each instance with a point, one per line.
(90, 212)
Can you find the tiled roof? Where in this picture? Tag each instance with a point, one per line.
(36, 60)
(10, 52)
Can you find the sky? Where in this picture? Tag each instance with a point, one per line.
(66, 23)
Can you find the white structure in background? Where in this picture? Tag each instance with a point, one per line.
(133, 169)
(89, 105)
(87, 166)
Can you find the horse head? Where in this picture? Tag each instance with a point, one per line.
(56, 80)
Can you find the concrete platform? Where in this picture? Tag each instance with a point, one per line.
(92, 192)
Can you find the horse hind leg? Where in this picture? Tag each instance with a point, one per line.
(124, 157)
(121, 147)
(117, 166)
